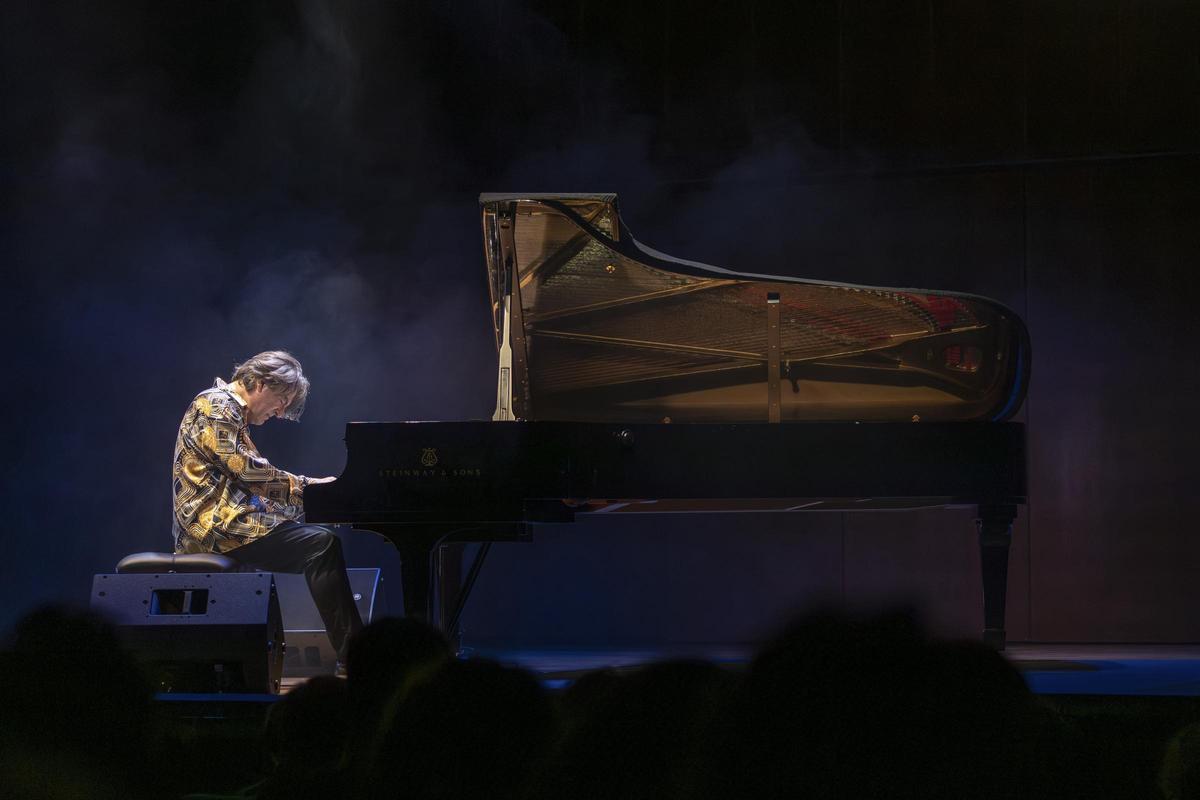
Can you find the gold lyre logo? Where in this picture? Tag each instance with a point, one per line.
(428, 457)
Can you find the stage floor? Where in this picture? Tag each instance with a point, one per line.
(1129, 670)
(1048, 668)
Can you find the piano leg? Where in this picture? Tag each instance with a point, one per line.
(420, 567)
(995, 537)
(447, 579)
(416, 567)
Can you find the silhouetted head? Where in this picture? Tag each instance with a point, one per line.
(386, 654)
(76, 707)
(861, 707)
(1179, 777)
(474, 729)
(306, 729)
(587, 694)
(638, 735)
(383, 661)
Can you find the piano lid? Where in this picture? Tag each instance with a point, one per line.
(592, 325)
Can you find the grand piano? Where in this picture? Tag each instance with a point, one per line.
(632, 382)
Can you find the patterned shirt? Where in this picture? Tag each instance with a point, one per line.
(225, 493)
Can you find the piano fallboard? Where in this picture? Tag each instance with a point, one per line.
(401, 473)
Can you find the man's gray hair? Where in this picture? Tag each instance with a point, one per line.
(279, 370)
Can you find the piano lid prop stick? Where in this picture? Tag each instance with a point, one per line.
(504, 379)
(773, 338)
(519, 376)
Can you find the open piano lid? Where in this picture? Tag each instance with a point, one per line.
(591, 325)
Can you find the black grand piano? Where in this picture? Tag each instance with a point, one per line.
(633, 382)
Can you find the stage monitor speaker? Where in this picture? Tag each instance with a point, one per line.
(309, 651)
(198, 632)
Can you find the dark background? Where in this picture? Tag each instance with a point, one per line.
(186, 184)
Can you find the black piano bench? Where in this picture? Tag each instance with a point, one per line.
(161, 563)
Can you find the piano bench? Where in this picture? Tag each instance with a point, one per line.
(171, 562)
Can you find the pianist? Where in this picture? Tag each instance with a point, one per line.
(228, 499)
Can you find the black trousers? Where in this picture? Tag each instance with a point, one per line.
(316, 552)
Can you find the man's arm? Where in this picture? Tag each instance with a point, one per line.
(217, 434)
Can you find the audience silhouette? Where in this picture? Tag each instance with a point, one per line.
(870, 708)
(384, 660)
(305, 742)
(835, 706)
(637, 735)
(473, 729)
(1179, 777)
(75, 710)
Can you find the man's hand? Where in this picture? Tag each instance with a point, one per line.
(329, 479)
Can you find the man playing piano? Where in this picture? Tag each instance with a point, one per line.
(228, 499)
